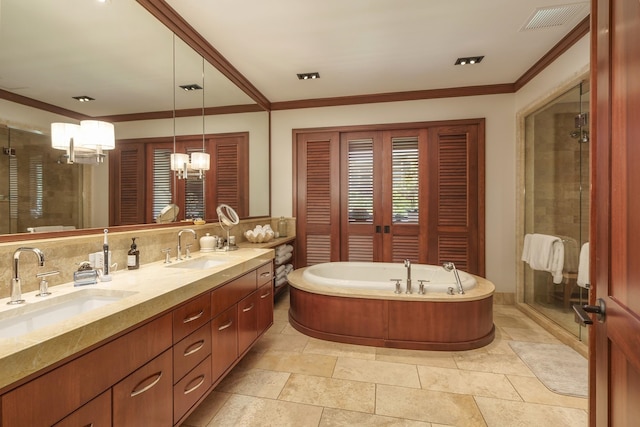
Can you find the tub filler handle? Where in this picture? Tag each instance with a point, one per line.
(397, 291)
(421, 289)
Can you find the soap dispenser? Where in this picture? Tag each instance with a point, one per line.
(133, 256)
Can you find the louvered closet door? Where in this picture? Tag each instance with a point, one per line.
(380, 196)
(318, 203)
(457, 183)
(127, 188)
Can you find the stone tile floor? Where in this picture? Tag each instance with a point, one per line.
(289, 379)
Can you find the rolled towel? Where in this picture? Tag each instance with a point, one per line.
(281, 281)
(583, 267)
(283, 250)
(283, 258)
(280, 269)
(288, 268)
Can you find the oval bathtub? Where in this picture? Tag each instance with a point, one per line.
(354, 302)
(382, 275)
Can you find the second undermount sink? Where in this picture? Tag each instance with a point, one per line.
(199, 263)
(36, 314)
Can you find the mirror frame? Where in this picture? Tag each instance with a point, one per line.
(164, 13)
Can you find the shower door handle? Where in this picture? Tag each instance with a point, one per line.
(582, 310)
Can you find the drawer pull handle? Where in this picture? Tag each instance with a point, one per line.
(223, 327)
(244, 310)
(265, 295)
(196, 346)
(189, 390)
(193, 317)
(135, 390)
(265, 274)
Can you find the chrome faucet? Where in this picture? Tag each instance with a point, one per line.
(449, 266)
(407, 263)
(16, 289)
(190, 230)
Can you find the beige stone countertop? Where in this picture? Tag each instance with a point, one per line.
(152, 289)
(482, 290)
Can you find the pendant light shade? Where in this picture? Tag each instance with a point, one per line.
(178, 161)
(97, 134)
(200, 161)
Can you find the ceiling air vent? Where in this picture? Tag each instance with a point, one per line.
(552, 16)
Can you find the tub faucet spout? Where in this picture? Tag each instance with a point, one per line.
(407, 264)
(16, 288)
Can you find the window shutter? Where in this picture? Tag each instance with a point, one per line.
(127, 189)
(161, 177)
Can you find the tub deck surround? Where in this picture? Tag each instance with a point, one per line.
(382, 318)
(155, 288)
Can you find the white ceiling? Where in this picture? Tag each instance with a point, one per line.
(116, 53)
(373, 46)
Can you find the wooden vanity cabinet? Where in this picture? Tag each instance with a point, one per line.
(157, 372)
(224, 341)
(145, 396)
(96, 413)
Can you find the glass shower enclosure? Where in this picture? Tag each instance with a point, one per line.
(557, 200)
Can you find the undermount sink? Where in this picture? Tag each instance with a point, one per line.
(199, 263)
(36, 314)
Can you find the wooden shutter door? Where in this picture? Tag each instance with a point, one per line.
(318, 198)
(127, 189)
(456, 177)
(228, 181)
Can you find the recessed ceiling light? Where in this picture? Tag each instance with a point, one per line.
(469, 60)
(308, 76)
(83, 98)
(192, 86)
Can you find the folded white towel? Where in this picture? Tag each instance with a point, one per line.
(583, 267)
(545, 253)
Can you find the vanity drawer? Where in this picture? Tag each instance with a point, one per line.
(191, 351)
(96, 413)
(191, 388)
(265, 274)
(227, 295)
(190, 316)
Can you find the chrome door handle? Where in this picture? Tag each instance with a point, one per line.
(582, 310)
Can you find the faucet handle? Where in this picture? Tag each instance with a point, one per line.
(188, 255)
(397, 291)
(44, 284)
(421, 289)
(167, 257)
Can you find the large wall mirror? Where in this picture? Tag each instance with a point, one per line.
(131, 64)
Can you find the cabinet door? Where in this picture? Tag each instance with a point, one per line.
(247, 322)
(145, 398)
(224, 341)
(265, 307)
(96, 413)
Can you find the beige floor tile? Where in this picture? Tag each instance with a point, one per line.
(495, 363)
(281, 315)
(534, 391)
(330, 392)
(290, 330)
(428, 406)
(337, 349)
(254, 382)
(501, 413)
(206, 410)
(247, 411)
(442, 359)
(531, 335)
(281, 342)
(467, 382)
(298, 363)
(340, 418)
(277, 327)
(374, 371)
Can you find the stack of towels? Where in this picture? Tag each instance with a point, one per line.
(583, 267)
(545, 253)
(283, 254)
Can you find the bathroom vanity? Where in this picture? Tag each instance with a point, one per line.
(148, 358)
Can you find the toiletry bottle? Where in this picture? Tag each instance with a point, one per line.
(282, 227)
(133, 256)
